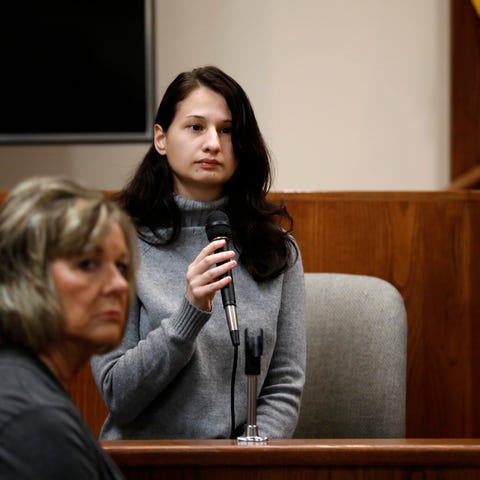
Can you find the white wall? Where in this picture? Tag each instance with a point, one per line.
(350, 95)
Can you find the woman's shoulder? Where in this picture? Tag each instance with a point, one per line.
(58, 441)
(28, 385)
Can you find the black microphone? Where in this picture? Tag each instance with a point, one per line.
(218, 228)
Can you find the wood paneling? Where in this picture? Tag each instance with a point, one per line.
(88, 399)
(426, 244)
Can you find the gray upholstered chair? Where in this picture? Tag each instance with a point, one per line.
(356, 358)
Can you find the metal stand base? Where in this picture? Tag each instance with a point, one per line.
(252, 436)
(255, 439)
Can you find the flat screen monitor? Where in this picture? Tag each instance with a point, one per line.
(76, 71)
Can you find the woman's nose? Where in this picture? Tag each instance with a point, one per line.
(212, 140)
(116, 282)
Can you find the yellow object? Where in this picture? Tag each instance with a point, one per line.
(476, 4)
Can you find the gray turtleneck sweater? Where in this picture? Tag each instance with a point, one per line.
(170, 377)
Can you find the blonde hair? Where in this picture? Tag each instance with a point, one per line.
(42, 219)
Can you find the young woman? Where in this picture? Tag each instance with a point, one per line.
(170, 377)
(67, 258)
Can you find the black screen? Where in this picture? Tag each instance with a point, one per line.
(76, 70)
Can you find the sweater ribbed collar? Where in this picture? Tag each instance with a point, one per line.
(195, 213)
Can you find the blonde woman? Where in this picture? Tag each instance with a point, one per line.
(67, 261)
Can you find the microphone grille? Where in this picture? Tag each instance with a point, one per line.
(218, 225)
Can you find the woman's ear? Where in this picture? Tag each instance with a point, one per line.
(159, 139)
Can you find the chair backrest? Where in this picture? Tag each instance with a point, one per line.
(356, 358)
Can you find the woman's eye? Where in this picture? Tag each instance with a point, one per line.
(195, 127)
(123, 268)
(226, 130)
(87, 265)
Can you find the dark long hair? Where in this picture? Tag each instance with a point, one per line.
(266, 248)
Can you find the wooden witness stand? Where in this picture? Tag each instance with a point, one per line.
(298, 459)
(427, 245)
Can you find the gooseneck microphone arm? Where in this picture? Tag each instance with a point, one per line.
(218, 228)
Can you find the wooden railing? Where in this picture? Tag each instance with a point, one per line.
(469, 179)
(298, 459)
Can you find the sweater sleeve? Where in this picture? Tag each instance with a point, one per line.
(135, 373)
(280, 395)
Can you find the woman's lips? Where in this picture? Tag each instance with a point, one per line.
(208, 163)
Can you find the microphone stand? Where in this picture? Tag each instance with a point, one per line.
(253, 353)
